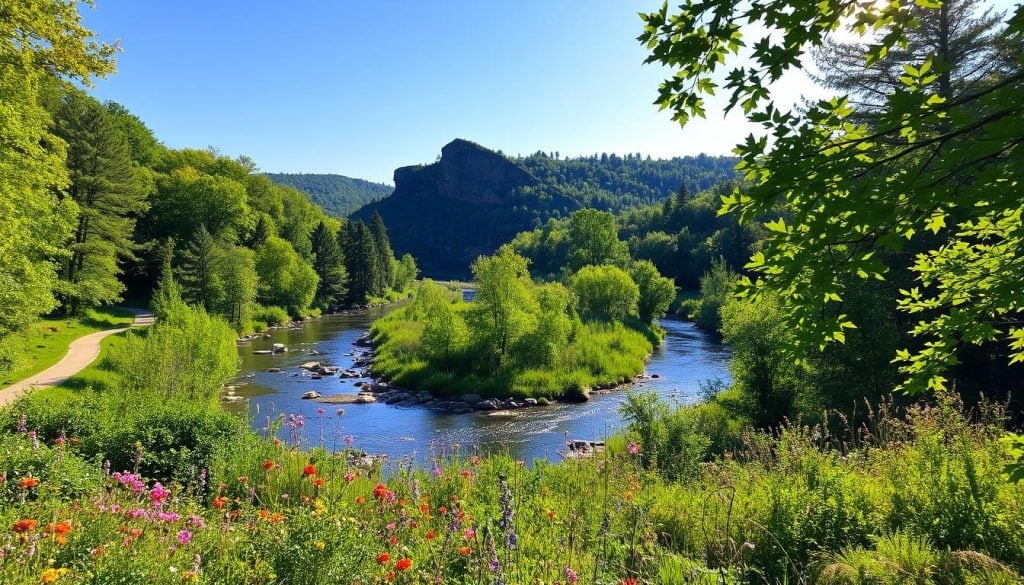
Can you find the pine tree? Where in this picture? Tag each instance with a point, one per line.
(200, 277)
(110, 192)
(329, 264)
(361, 263)
(385, 257)
(961, 37)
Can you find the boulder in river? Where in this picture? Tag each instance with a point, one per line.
(279, 348)
(311, 395)
(273, 370)
(471, 398)
(577, 395)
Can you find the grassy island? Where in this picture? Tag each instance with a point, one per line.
(518, 338)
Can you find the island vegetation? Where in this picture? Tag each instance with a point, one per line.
(867, 435)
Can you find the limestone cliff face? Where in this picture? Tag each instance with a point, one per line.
(468, 203)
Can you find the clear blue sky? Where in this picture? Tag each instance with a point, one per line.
(360, 88)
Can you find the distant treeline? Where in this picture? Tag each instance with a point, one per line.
(338, 195)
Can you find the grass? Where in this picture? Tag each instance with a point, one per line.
(46, 342)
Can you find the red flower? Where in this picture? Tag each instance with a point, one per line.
(465, 550)
(424, 509)
(381, 491)
(383, 558)
(219, 502)
(630, 581)
(268, 465)
(430, 535)
(318, 482)
(59, 530)
(308, 470)
(551, 514)
(443, 509)
(393, 540)
(28, 482)
(24, 525)
(403, 564)
(243, 479)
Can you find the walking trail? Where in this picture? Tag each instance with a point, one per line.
(82, 352)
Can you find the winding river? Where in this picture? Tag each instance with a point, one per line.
(685, 359)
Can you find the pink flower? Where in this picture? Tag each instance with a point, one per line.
(470, 533)
(168, 516)
(350, 477)
(136, 513)
(184, 537)
(158, 494)
(633, 448)
(348, 439)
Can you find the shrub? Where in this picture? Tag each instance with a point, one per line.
(271, 316)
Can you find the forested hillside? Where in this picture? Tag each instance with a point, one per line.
(338, 195)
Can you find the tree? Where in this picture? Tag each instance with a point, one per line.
(935, 172)
(405, 272)
(445, 334)
(385, 257)
(143, 145)
(286, 280)
(110, 192)
(542, 346)
(656, 291)
(959, 36)
(236, 272)
(167, 296)
(361, 263)
(329, 265)
(504, 306)
(187, 198)
(594, 240)
(200, 276)
(604, 293)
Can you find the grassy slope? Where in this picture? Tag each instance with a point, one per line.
(46, 342)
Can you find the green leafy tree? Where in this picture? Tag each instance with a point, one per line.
(236, 273)
(329, 265)
(405, 272)
(445, 334)
(188, 198)
(361, 263)
(935, 172)
(167, 296)
(656, 291)
(604, 293)
(594, 240)
(541, 347)
(385, 257)
(715, 287)
(286, 280)
(505, 307)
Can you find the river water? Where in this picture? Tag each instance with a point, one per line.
(686, 358)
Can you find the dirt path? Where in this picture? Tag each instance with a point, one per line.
(82, 352)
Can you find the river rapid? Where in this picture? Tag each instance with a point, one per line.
(686, 358)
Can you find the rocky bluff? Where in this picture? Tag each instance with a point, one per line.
(466, 204)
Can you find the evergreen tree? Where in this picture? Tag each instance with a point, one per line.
(236, 273)
(329, 264)
(110, 192)
(361, 263)
(385, 257)
(167, 296)
(200, 276)
(262, 232)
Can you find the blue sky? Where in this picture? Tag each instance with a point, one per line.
(360, 88)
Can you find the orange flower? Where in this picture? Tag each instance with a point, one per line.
(308, 470)
(59, 530)
(442, 509)
(220, 501)
(551, 514)
(393, 540)
(424, 509)
(430, 535)
(28, 482)
(381, 491)
(268, 465)
(465, 550)
(318, 482)
(403, 564)
(383, 558)
(24, 525)
(360, 500)
(243, 479)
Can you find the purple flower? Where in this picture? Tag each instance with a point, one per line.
(184, 537)
(136, 513)
(570, 575)
(168, 516)
(348, 439)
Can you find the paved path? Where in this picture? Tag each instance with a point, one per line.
(82, 352)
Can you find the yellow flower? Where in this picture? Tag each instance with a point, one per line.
(51, 575)
(319, 545)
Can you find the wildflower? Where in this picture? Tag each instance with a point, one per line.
(319, 482)
(158, 494)
(348, 439)
(633, 448)
(442, 509)
(308, 470)
(403, 564)
(383, 558)
(393, 541)
(168, 516)
(184, 537)
(390, 527)
(629, 581)
(424, 509)
(505, 524)
(24, 525)
(319, 545)
(570, 575)
(474, 460)
(243, 479)
(350, 477)
(59, 441)
(51, 575)
(59, 530)
(469, 533)
(430, 535)
(360, 500)
(465, 550)
(220, 501)
(320, 411)
(551, 514)
(28, 482)
(268, 465)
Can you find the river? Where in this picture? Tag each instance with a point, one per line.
(686, 358)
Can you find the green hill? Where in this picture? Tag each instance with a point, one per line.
(338, 195)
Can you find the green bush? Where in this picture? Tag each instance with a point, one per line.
(271, 316)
